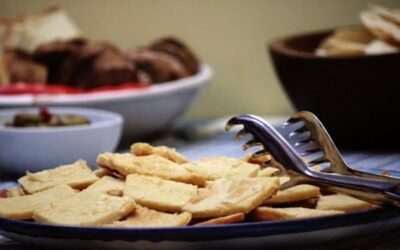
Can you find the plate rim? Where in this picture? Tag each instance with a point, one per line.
(200, 233)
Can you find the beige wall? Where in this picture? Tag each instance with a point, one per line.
(230, 35)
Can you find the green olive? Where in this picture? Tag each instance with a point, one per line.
(36, 120)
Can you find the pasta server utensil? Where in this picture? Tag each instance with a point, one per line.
(308, 136)
(373, 190)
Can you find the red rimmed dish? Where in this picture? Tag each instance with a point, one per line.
(147, 110)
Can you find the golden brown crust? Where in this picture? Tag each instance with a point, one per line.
(294, 194)
(269, 213)
(381, 26)
(229, 196)
(22, 207)
(261, 160)
(101, 172)
(78, 175)
(145, 217)
(213, 168)
(29, 31)
(392, 15)
(342, 202)
(143, 149)
(346, 42)
(229, 219)
(268, 172)
(97, 205)
(234, 189)
(264, 161)
(105, 184)
(151, 165)
(157, 193)
(14, 192)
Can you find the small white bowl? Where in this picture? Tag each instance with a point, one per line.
(35, 149)
(145, 111)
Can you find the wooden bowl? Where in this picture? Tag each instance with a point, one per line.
(357, 98)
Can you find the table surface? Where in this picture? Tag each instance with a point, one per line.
(201, 138)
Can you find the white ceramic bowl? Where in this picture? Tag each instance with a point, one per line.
(145, 111)
(35, 149)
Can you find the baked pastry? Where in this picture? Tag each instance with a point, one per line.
(54, 54)
(269, 213)
(142, 149)
(145, 217)
(229, 219)
(151, 165)
(342, 202)
(176, 48)
(30, 31)
(346, 42)
(380, 35)
(157, 193)
(380, 47)
(15, 192)
(294, 194)
(62, 56)
(383, 23)
(22, 207)
(149, 198)
(96, 65)
(229, 196)
(77, 175)
(157, 67)
(97, 205)
(268, 171)
(213, 168)
(19, 66)
(108, 184)
(165, 60)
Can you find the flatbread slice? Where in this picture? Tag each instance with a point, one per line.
(151, 165)
(392, 15)
(261, 160)
(267, 172)
(229, 196)
(265, 161)
(145, 217)
(213, 168)
(294, 194)
(14, 192)
(156, 193)
(269, 213)
(381, 26)
(229, 219)
(22, 207)
(345, 42)
(107, 184)
(342, 202)
(380, 47)
(77, 175)
(143, 149)
(283, 179)
(101, 172)
(94, 206)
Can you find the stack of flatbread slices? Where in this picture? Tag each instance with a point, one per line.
(380, 35)
(159, 187)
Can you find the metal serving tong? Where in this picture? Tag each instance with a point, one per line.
(381, 191)
(306, 134)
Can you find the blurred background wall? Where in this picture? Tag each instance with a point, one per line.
(230, 35)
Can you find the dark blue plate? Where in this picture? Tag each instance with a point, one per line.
(368, 228)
